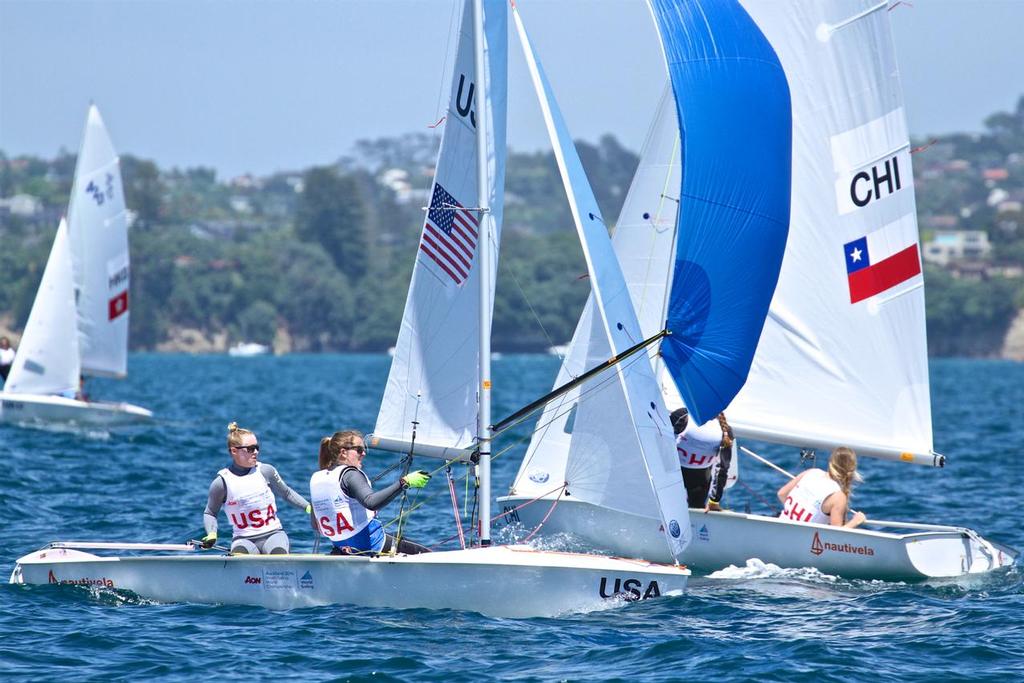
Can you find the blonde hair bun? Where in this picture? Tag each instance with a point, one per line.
(232, 427)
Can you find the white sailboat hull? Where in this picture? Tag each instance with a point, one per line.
(502, 581)
(721, 539)
(29, 408)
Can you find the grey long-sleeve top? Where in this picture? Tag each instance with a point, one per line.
(219, 492)
(355, 485)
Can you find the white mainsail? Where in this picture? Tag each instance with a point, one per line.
(434, 375)
(622, 452)
(98, 233)
(643, 241)
(843, 357)
(47, 360)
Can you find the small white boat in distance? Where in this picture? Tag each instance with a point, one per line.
(498, 581)
(246, 349)
(558, 350)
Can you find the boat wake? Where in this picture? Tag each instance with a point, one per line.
(89, 432)
(756, 569)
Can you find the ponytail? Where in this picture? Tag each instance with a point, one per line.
(726, 431)
(842, 468)
(326, 459)
(331, 446)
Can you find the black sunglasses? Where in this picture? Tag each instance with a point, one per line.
(361, 450)
(252, 449)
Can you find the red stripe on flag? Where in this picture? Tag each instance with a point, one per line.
(443, 246)
(445, 268)
(875, 279)
(462, 240)
(471, 224)
(440, 252)
(117, 306)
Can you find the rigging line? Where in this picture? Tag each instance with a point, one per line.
(500, 426)
(511, 271)
(553, 505)
(444, 65)
(774, 508)
(530, 502)
(455, 507)
(597, 386)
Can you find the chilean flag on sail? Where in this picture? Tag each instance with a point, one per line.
(881, 260)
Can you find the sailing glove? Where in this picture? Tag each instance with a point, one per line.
(208, 540)
(416, 480)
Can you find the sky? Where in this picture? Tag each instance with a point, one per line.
(260, 86)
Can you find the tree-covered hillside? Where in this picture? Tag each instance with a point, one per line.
(320, 259)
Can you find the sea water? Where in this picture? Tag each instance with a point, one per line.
(755, 622)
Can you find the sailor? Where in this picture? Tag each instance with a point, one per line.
(248, 489)
(345, 504)
(817, 497)
(6, 357)
(705, 453)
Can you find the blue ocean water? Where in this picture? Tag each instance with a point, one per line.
(150, 485)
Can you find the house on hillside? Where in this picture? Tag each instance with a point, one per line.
(957, 247)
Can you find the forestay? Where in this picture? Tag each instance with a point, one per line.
(435, 371)
(47, 360)
(643, 240)
(734, 116)
(98, 233)
(621, 453)
(843, 357)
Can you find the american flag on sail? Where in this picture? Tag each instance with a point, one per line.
(449, 235)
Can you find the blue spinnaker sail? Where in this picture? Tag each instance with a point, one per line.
(736, 135)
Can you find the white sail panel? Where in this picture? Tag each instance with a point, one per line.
(98, 232)
(47, 359)
(622, 454)
(643, 240)
(843, 356)
(435, 374)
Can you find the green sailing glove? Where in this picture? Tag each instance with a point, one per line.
(208, 540)
(309, 509)
(416, 480)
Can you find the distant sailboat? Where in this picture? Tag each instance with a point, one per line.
(79, 320)
(842, 359)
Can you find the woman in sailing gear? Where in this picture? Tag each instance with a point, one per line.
(248, 489)
(705, 453)
(345, 504)
(817, 497)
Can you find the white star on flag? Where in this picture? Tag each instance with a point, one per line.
(855, 255)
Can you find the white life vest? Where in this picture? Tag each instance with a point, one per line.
(338, 517)
(803, 504)
(698, 445)
(251, 506)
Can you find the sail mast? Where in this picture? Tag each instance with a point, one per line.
(484, 256)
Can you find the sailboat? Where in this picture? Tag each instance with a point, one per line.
(78, 325)
(842, 359)
(437, 404)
